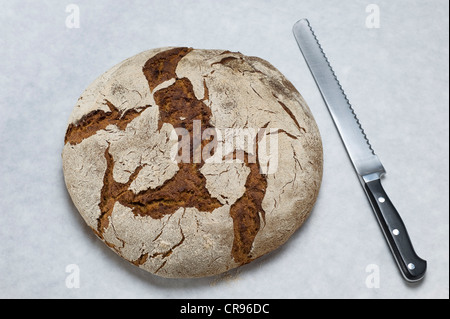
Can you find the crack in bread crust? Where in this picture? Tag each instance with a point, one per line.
(162, 66)
(98, 120)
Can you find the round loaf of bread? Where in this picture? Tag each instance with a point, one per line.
(188, 163)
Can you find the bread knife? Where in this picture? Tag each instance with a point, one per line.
(367, 165)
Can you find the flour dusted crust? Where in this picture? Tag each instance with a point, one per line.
(201, 218)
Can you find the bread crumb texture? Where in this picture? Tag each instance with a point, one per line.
(212, 211)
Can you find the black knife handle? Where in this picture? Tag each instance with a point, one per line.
(412, 266)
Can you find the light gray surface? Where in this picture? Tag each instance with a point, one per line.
(396, 77)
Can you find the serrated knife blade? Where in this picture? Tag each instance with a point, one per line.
(367, 165)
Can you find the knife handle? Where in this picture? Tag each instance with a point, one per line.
(412, 266)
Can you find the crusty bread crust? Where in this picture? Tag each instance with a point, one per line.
(199, 217)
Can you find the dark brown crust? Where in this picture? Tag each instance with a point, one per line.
(246, 210)
(141, 260)
(97, 120)
(162, 66)
(110, 193)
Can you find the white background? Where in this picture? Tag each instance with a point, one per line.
(396, 77)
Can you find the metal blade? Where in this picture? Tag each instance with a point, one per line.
(364, 160)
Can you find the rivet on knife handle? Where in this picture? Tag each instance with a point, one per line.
(367, 165)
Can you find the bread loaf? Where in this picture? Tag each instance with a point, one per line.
(188, 163)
